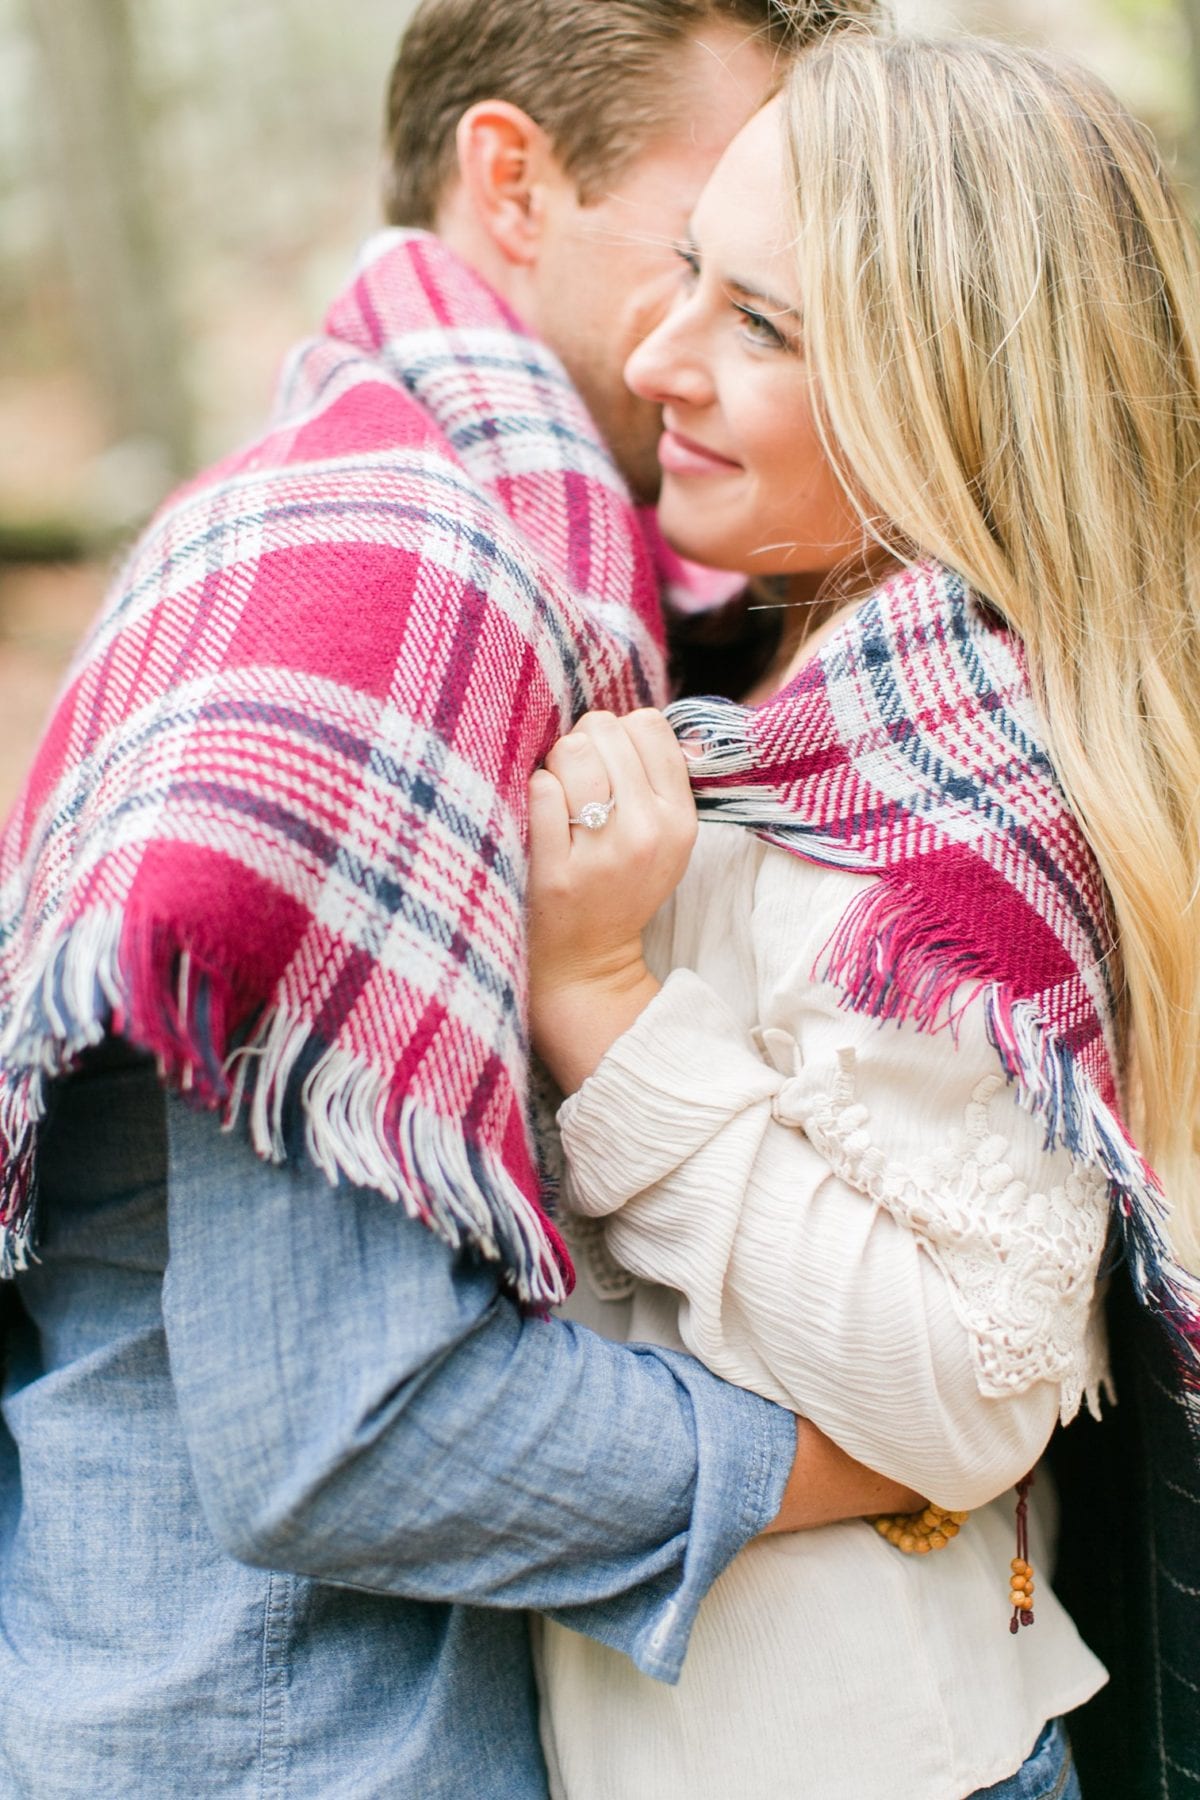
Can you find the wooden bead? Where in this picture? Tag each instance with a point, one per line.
(916, 1534)
(1017, 1598)
(1020, 1567)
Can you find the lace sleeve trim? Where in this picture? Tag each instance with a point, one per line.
(1021, 1263)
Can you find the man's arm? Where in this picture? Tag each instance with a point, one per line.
(363, 1407)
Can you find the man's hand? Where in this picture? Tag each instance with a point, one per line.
(826, 1485)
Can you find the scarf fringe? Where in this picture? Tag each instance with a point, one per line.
(106, 976)
(892, 958)
(888, 960)
(1052, 1086)
(719, 736)
(21, 1107)
(721, 748)
(62, 1017)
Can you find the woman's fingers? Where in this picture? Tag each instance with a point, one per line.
(549, 831)
(626, 777)
(581, 771)
(636, 762)
(641, 754)
(661, 754)
(592, 891)
(650, 779)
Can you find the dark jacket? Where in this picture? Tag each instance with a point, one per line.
(1129, 1567)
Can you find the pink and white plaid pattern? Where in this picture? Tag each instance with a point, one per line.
(909, 748)
(275, 829)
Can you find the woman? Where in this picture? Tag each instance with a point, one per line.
(933, 364)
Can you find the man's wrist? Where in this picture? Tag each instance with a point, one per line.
(826, 1485)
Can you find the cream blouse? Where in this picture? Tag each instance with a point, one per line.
(859, 1222)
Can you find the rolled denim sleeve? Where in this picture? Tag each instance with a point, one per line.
(362, 1406)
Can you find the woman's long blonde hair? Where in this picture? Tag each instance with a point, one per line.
(1002, 310)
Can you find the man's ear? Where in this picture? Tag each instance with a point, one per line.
(503, 158)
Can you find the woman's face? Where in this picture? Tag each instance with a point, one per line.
(746, 484)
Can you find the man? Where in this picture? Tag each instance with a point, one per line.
(282, 1466)
(562, 158)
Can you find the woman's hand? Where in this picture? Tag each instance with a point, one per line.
(592, 892)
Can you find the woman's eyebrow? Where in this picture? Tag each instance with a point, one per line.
(770, 304)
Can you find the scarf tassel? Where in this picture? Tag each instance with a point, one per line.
(1051, 1086)
(889, 959)
(106, 977)
(892, 958)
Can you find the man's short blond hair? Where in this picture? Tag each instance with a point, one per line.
(594, 74)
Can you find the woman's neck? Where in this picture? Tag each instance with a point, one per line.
(813, 606)
(810, 613)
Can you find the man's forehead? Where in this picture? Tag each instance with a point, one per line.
(719, 81)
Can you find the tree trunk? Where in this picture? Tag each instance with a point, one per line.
(1190, 149)
(113, 251)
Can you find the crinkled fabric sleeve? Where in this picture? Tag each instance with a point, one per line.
(857, 1221)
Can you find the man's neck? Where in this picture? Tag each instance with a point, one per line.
(460, 231)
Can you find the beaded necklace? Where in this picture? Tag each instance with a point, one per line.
(918, 1533)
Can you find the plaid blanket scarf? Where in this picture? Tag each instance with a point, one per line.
(908, 748)
(275, 829)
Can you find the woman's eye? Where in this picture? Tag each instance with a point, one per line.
(759, 329)
(689, 264)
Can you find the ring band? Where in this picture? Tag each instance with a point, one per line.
(594, 815)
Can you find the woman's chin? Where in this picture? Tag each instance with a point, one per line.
(688, 538)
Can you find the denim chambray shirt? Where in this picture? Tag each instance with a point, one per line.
(279, 1474)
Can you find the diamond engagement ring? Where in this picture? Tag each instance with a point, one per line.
(594, 815)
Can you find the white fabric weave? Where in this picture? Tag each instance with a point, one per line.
(859, 1222)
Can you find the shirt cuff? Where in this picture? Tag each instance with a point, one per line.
(745, 1450)
(685, 1067)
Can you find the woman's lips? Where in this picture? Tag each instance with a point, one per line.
(680, 456)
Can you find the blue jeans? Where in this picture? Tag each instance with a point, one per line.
(1049, 1774)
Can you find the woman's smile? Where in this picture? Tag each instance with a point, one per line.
(680, 455)
(727, 367)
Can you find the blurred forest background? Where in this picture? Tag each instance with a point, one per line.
(182, 184)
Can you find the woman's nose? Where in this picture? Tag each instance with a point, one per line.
(669, 364)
